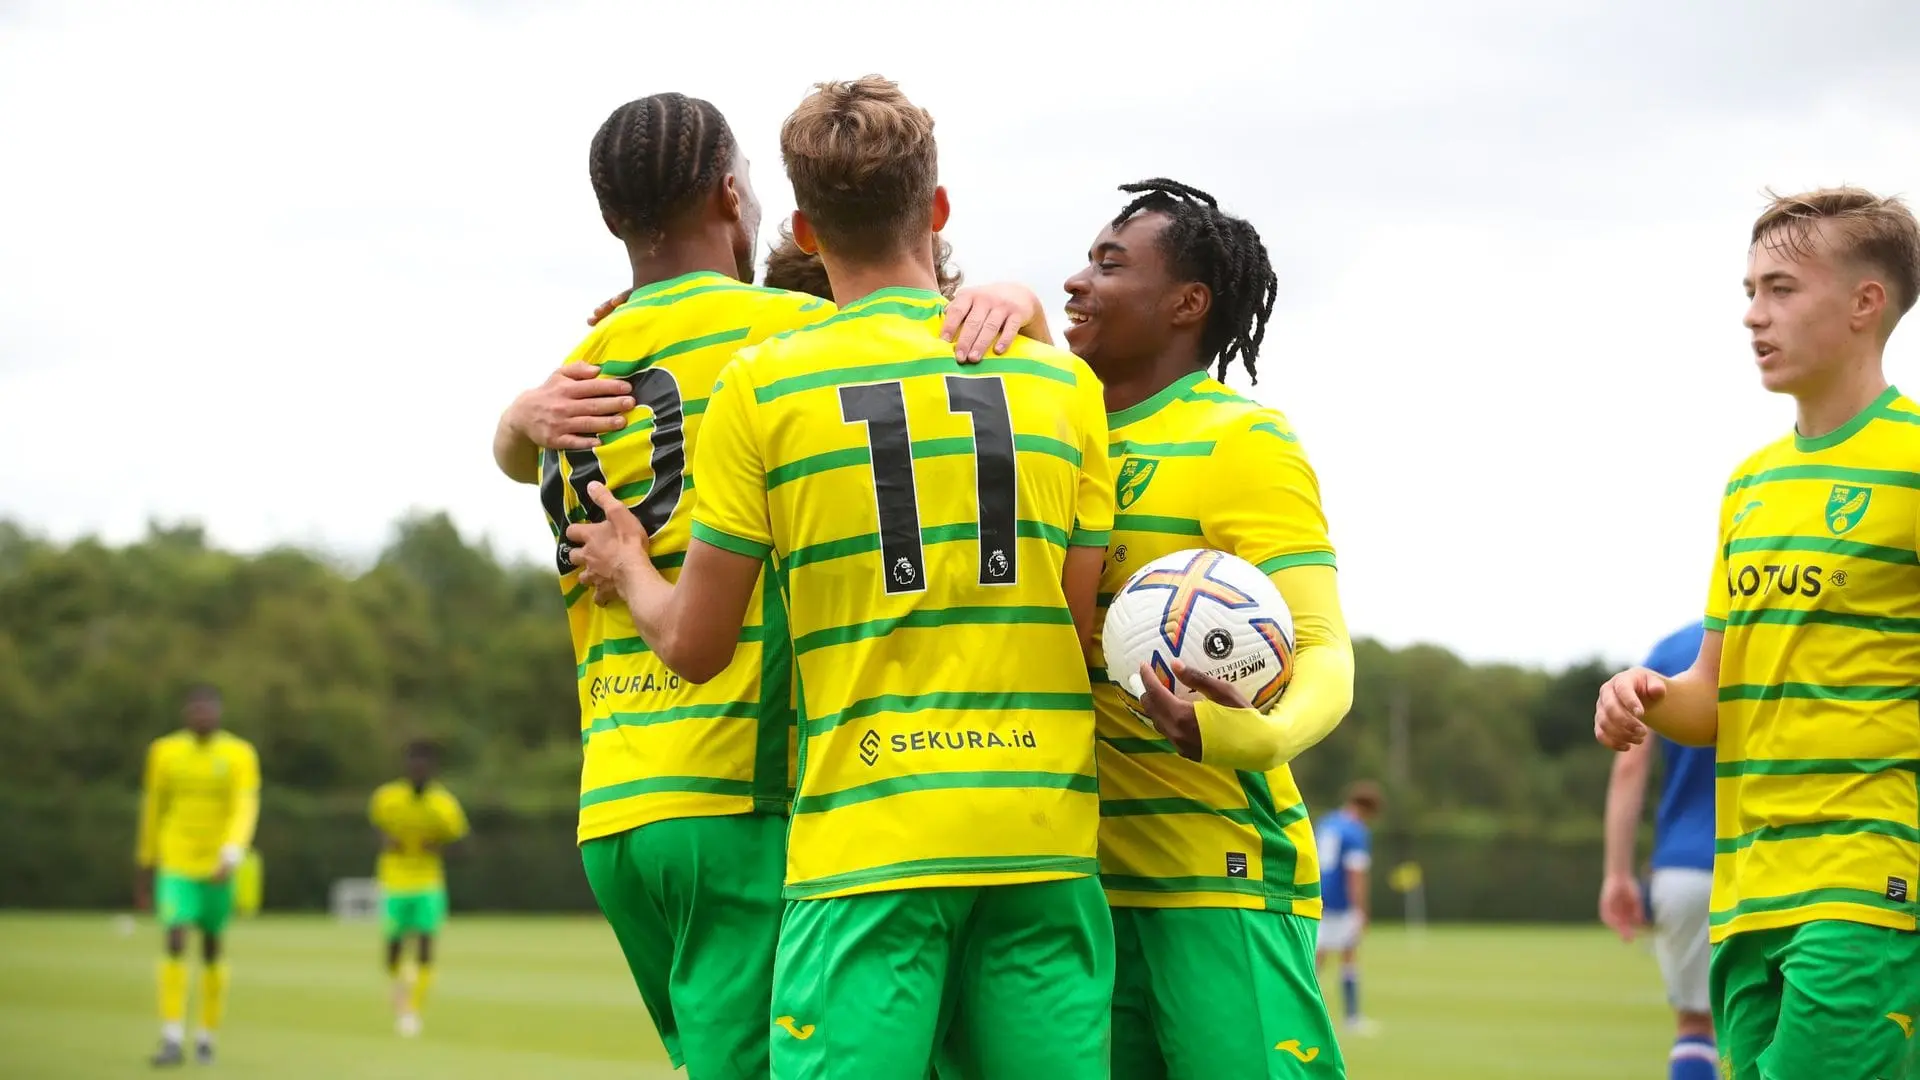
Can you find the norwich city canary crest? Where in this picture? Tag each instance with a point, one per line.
(1846, 505)
(1135, 474)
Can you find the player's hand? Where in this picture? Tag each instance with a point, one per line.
(230, 857)
(606, 307)
(143, 889)
(571, 408)
(1621, 907)
(1619, 715)
(1171, 714)
(607, 551)
(987, 316)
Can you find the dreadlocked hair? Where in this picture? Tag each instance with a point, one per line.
(654, 158)
(1222, 252)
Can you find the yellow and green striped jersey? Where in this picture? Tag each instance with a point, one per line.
(1199, 466)
(417, 825)
(1816, 587)
(657, 747)
(919, 513)
(198, 795)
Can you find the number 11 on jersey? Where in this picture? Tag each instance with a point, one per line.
(882, 408)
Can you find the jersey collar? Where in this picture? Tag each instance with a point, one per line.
(1157, 402)
(655, 288)
(1849, 429)
(896, 292)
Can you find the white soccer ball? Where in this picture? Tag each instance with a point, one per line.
(1214, 612)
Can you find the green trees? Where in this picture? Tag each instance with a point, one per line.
(331, 668)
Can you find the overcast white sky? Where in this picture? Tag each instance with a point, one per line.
(275, 267)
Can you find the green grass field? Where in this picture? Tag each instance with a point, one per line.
(550, 997)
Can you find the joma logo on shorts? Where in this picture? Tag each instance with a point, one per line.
(1292, 1046)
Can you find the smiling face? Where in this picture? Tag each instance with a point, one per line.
(1120, 306)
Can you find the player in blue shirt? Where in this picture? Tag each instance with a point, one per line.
(1346, 854)
(1682, 869)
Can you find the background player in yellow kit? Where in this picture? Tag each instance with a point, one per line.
(200, 802)
(1206, 850)
(417, 818)
(1809, 671)
(937, 532)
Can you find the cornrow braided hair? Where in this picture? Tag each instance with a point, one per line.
(1222, 252)
(654, 157)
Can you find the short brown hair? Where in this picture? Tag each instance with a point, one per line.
(863, 165)
(794, 270)
(1367, 795)
(1864, 227)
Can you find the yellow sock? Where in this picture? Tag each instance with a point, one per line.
(173, 994)
(421, 980)
(213, 996)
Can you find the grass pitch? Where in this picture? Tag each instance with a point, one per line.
(519, 997)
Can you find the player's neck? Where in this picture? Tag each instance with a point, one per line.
(1827, 405)
(1126, 389)
(679, 256)
(906, 270)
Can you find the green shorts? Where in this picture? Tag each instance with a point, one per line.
(695, 905)
(422, 911)
(185, 901)
(1823, 999)
(1219, 994)
(1001, 980)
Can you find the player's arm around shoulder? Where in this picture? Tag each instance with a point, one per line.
(1266, 510)
(569, 410)
(692, 625)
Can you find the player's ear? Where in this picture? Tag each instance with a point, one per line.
(612, 226)
(727, 198)
(1869, 303)
(1191, 304)
(803, 237)
(941, 207)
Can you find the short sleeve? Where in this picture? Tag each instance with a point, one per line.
(730, 462)
(1093, 501)
(1718, 595)
(1267, 509)
(373, 809)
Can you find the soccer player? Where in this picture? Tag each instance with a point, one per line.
(1682, 868)
(684, 785)
(1345, 845)
(200, 802)
(1206, 849)
(1809, 666)
(937, 532)
(417, 818)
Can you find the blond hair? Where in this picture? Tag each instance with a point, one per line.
(1861, 227)
(863, 165)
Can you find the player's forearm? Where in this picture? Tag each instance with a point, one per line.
(514, 453)
(1689, 713)
(658, 614)
(1315, 702)
(1362, 899)
(1626, 796)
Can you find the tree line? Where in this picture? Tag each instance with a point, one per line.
(330, 669)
